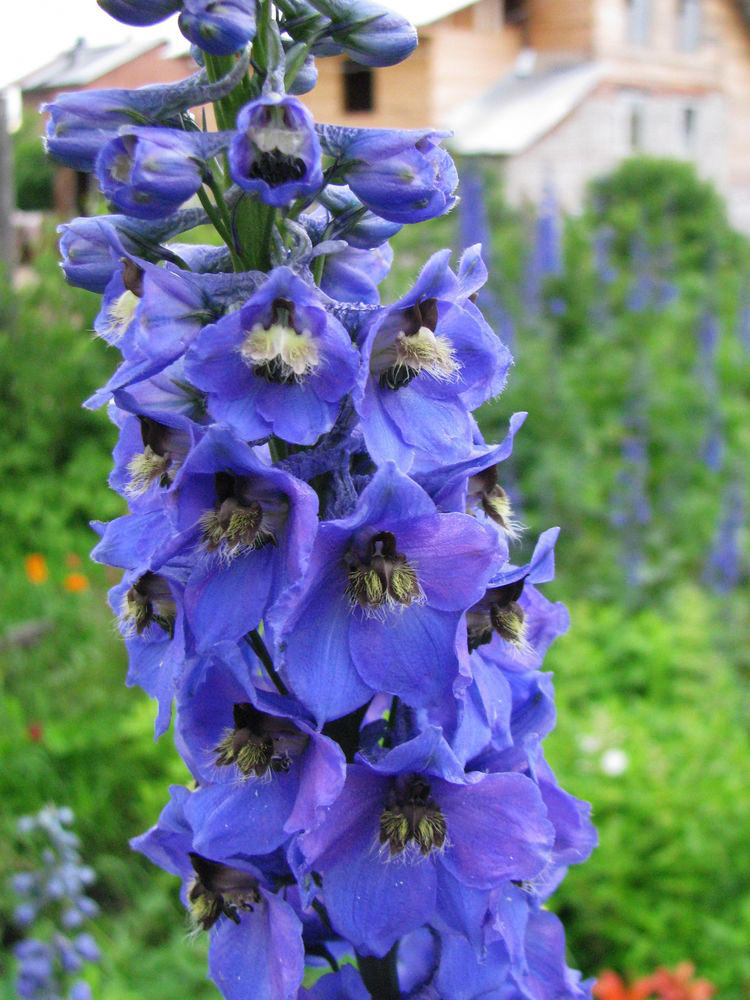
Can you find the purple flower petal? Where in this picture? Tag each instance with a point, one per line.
(410, 653)
(497, 829)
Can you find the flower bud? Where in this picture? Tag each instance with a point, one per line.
(150, 172)
(368, 33)
(219, 27)
(401, 175)
(140, 12)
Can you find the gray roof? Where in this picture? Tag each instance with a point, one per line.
(521, 108)
(84, 64)
(421, 12)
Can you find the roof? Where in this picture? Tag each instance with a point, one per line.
(421, 12)
(84, 64)
(519, 109)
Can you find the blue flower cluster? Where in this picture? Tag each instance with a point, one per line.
(49, 968)
(316, 566)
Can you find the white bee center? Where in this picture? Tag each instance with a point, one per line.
(298, 352)
(273, 138)
(419, 352)
(120, 314)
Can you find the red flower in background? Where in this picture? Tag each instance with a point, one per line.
(662, 985)
(35, 732)
(680, 985)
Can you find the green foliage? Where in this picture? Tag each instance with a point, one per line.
(33, 172)
(666, 201)
(670, 880)
(70, 731)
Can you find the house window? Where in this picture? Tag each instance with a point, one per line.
(359, 87)
(514, 11)
(639, 21)
(688, 25)
(689, 126)
(635, 128)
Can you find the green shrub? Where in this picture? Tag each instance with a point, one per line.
(34, 173)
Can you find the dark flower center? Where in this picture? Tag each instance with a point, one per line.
(276, 168)
(277, 144)
(237, 523)
(486, 492)
(383, 577)
(415, 349)
(260, 743)
(412, 816)
(132, 277)
(498, 613)
(156, 462)
(218, 890)
(149, 602)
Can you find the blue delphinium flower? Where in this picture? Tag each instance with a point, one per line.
(417, 835)
(248, 529)
(318, 577)
(275, 153)
(54, 893)
(428, 360)
(723, 569)
(263, 770)
(279, 365)
(545, 259)
(256, 942)
(381, 606)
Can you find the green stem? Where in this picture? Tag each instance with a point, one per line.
(393, 715)
(218, 222)
(216, 68)
(259, 648)
(317, 268)
(379, 975)
(213, 214)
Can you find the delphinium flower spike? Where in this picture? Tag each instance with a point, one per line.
(53, 894)
(317, 553)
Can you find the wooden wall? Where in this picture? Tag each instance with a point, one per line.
(402, 94)
(734, 36)
(562, 26)
(660, 63)
(457, 59)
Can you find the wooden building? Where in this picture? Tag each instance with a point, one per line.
(558, 91)
(564, 90)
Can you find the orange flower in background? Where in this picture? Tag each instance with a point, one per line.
(76, 583)
(36, 568)
(72, 560)
(609, 986)
(680, 985)
(662, 985)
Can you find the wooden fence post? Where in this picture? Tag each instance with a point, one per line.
(7, 206)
